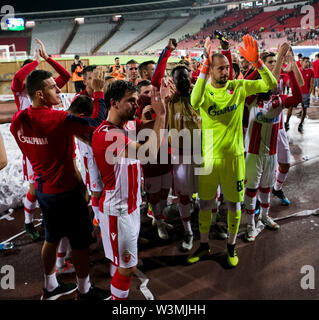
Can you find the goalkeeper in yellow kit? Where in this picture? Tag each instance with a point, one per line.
(221, 106)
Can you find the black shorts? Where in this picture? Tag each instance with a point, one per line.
(305, 100)
(66, 214)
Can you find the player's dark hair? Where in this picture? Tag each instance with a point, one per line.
(81, 104)
(108, 78)
(178, 67)
(183, 61)
(317, 55)
(116, 58)
(35, 81)
(144, 83)
(88, 69)
(305, 58)
(25, 62)
(132, 61)
(299, 55)
(143, 66)
(265, 96)
(117, 91)
(265, 55)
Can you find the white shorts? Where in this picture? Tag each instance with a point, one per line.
(185, 181)
(28, 174)
(283, 151)
(260, 171)
(119, 237)
(93, 180)
(155, 184)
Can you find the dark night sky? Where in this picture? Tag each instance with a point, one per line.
(36, 6)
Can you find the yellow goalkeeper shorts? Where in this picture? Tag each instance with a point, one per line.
(229, 173)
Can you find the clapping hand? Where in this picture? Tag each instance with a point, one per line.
(42, 50)
(98, 79)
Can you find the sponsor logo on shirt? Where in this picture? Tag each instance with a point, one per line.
(261, 118)
(212, 110)
(32, 140)
(113, 235)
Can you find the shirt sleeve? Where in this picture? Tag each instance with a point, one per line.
(17, 84)
(197, 95)
(266, 83)
(64, 75)
(99, 110)
(161, 67)
(227, 54)
(296, 98)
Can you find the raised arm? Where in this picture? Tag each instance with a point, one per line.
(162, 62)
(64, 75)
(251, 54)
(226, 52)
(280, 60)
(198, 91)
(296, 98)
(17, 84)
(99, 106)
(155, 139)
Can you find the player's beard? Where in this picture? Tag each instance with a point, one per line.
(222, 80)
(132, 115)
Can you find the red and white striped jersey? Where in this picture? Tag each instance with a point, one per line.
(122, 178)
(85, 150)
(263, 126)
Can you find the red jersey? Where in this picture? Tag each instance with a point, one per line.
(45, 135)
(195, 75)
(315, 67)
(18, 88)
(307, 75)
(265, 119)
(122, 177)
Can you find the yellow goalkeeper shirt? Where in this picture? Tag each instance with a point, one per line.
(221, 111)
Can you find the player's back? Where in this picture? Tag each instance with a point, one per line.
(41, 135)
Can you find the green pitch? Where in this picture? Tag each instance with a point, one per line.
(108, 60)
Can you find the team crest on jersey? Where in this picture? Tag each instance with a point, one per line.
(126, 256)
(113, 235)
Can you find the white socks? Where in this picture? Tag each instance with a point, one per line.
(84, 284)
(50, 282)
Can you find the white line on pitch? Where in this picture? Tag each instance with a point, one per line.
(17, 235)
(143, 287)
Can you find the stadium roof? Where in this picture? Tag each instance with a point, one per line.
(96, 7)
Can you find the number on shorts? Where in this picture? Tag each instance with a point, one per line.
(240, 185)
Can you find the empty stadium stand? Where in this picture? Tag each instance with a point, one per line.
(53, 33)
(130, 31)
(88, 36)
(165, 29)
(192, 26)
